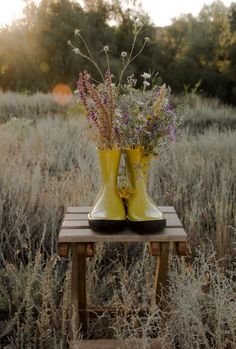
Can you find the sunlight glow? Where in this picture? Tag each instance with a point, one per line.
(11, 10)
(161, 12)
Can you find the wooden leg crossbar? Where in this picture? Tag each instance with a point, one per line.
(76, 236)
(79, 253)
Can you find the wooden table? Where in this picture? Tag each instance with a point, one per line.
(76, 235)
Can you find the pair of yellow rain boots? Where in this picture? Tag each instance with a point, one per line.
(109, 213)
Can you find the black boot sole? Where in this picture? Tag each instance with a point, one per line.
(107, 226)
(147, 227)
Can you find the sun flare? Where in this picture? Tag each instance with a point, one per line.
(10, 10)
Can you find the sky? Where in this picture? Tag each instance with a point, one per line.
(160, 11)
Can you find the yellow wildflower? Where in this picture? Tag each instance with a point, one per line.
(160, 99)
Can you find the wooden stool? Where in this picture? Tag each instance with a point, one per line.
(76, 234)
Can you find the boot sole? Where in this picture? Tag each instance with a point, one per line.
(110, 226)
(147, 227)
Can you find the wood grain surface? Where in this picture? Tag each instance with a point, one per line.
(75, 228)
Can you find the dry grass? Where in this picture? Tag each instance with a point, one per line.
(27, 106)
(204, 113)
(198, 179)
(50, 164)
(201, 306)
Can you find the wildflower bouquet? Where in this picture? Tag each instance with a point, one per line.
(130, 121)
(146, 118)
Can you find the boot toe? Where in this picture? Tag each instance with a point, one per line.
(147, 226)
(106, 225)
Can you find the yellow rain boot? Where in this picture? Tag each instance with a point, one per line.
(143, 215)
(108, 213)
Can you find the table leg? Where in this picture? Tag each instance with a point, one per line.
(63, 249)
(75, 322)
(161, 273)
(78, 296)
(181, 248)
(82, 254)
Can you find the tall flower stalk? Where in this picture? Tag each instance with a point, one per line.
(130, 56)
(100, 100)
(99, 104)
(87, 56)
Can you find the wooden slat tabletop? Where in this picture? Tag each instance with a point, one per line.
(75, 220)
(75, 228)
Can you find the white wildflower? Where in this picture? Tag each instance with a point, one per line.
(165, 102)
(118, 114)
(147, 39)
(146, 76)
(140, 117)
(140, 103)
(131, 80)
(146, 83)
(123, 54)
(106, 48)
(77, 32)
(76, 50)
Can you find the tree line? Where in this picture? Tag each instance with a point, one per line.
(193, 53)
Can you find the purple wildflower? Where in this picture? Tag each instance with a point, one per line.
(105, 100)
(126, 118)
(169, 107)
(172, 133)
(93, 115)
(116, 130)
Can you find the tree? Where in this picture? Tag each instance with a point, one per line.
(35, 55)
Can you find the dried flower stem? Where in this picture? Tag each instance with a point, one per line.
(130, 59)
(108, 62)
(158, 104)
(90, 59)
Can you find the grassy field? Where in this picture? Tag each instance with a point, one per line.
(48, 162)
